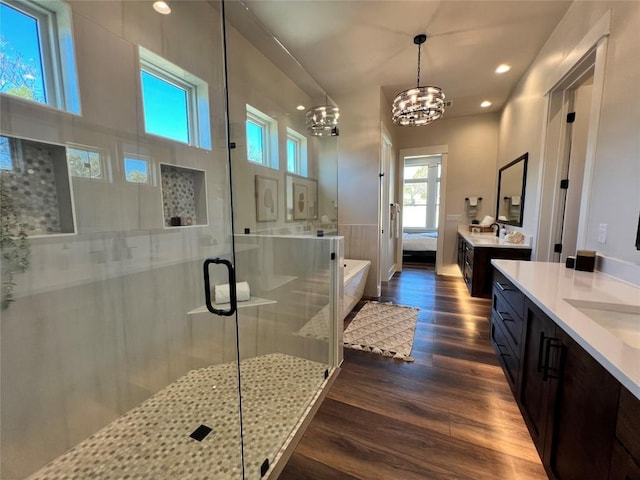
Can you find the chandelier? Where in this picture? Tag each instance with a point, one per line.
(323, 120)
(420, 105)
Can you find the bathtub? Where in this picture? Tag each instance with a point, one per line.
(355, 278)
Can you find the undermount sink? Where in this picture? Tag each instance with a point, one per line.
(490, 240)
(622, 320)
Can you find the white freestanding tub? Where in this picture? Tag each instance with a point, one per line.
(355, 278)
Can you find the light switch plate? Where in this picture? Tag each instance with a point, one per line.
(602, 233)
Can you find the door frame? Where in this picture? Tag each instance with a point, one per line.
(588, 55)
(443, 151)
(386, 260)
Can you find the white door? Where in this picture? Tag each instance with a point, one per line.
(386, 196)
(574, 172)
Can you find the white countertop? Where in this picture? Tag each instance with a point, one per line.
(549, 284)
(479, 240)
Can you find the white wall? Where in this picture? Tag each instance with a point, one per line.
(471, 167)
(615, 190)
(358, 178)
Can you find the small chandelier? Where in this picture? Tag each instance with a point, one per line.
(420, 105)
(323, 120)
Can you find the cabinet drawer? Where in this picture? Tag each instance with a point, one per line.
(468, 274)
(511, 321)
(509, 361)
(511, 294)
(469, 254)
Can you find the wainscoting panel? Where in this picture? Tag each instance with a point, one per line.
(361, 243)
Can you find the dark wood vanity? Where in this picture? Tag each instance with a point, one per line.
(584, 423)
(474, 259)
(475, 252)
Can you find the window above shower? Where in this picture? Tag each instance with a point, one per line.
(86, 162)
(296, 153)
(262, 138)
(137, 169)
(38, 59)
(175, 102)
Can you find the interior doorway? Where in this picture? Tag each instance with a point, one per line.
(577, 125)
(387, 211)
(422, 181)
(570, 144)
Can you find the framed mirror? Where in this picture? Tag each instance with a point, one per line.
(512, 181)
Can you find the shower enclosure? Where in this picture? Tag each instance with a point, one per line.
(142, 157)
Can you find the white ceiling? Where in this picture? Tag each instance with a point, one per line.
(350, 44)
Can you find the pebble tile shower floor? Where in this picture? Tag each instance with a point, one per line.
(152, 441)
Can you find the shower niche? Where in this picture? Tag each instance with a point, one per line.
(184, 196)
(35, 178)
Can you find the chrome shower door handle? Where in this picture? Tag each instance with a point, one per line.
(233, 302)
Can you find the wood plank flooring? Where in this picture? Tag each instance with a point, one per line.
(449, 415)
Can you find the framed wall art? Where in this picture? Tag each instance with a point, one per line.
(300, 202)
(266, 199)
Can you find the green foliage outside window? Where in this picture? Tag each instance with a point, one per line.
(14, 246)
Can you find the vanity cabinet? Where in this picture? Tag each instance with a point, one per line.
(625, 462)
(475, 263)
(538, 384)
(583, 422)
(507, 306)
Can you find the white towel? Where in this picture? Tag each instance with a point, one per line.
(221, 293)
(473, 201)
(515, 200)
(487, 220)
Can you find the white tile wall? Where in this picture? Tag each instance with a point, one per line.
(361, 243)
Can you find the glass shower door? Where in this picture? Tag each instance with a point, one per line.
(287, 255)
(115, 189)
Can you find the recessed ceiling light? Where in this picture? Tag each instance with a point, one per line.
(485, 104)
(300, 107)
(162, 7)
(502, 68)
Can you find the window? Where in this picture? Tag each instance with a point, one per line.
(136, 169)
(85, 162)
(296, 153)
(11, 159)
(262, 138)
(175, 102)
(37, 60)
(6, 158)
(421, 197)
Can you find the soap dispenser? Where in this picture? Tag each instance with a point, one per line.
(503, 232)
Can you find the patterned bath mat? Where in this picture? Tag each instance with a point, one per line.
(383, 328)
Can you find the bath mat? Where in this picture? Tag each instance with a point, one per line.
(383, 328)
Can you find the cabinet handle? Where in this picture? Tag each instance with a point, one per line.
(503, 318)
(551, 343)
(503, 287)
(540, 350)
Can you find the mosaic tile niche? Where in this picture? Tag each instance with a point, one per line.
(36, 176)
(183, 196)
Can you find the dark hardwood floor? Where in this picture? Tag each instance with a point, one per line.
(448, 415)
